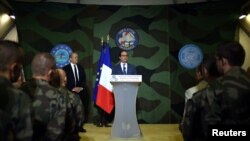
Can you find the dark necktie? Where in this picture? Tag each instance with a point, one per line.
(124, 68)
(76, 77)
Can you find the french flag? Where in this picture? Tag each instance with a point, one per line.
(104, 97)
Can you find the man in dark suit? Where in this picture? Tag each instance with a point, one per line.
(76, 81)
(123, 67)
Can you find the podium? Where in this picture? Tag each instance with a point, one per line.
(125, 88)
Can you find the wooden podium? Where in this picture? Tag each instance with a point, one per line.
(125, 88)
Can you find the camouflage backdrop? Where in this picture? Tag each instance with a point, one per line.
(162, 31)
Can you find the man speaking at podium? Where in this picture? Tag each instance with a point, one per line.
(125, 124)
(123, 67)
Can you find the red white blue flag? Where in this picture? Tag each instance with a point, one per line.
(103, 95)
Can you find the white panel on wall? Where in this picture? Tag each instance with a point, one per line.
(245, 42)
(12, 35)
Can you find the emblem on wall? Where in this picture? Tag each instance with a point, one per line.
(127, 39)
(61, 53)
(190, 56)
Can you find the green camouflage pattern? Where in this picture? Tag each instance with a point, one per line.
(74, 116)
(162, 30)
(15, 113)
(224, 102)
(48, 110)
(233, 98)
(194, 126)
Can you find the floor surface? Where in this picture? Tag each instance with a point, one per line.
(150, 132)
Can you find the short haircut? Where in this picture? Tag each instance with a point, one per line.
(70, 56)
(120, 52)
(10, 52)
(42, 63)
(233, 52)
(55, 79)
(199, 68)
(209, 63)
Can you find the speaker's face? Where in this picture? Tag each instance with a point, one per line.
(124, 57)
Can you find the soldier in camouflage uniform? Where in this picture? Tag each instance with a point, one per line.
(234, 95)
(49, 107)
(194, 126)
(225, 104)
(74, 116)
(15, 117)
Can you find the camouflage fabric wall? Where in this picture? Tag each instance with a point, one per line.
(162, 31)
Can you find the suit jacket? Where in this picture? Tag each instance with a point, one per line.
(71, 79)
(117, 70)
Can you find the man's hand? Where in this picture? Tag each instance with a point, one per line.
(77, 89)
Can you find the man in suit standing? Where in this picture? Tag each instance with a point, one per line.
(76, 80)
(123, 67)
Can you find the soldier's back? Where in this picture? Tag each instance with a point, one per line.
(48, 110)
(74, 115)
(15, 113)
(235, 98)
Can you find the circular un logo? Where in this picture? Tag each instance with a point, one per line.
(61, 53)
(127, 39)
(190, 56)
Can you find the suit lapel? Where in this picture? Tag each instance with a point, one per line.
(71, 70)
(79, 72)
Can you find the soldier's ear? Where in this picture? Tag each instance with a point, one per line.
(224, 61)
(50, 72)
(205, 73)
(15, 72)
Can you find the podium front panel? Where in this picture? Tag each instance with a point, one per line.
(125, 123)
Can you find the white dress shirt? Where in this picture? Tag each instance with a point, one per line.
(124, 65)
(77, 72)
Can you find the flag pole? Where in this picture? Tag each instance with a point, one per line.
(108, 38)
(102, 41)
(104, 96)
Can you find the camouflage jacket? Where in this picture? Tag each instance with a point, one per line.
(74, 114)
(225, 101)
(195, 124)
(48, 110)
(231, 105)
(15, 113)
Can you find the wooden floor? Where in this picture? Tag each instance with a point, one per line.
(150, 132)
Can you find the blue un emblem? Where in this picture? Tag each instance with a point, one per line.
(61, 53)
(190, 56)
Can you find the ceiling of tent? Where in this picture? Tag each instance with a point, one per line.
(5, 6)
(109, 2)
(116, 2)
